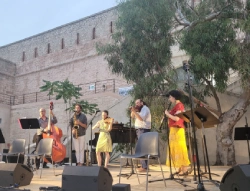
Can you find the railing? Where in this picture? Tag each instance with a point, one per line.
(109, 85)
(7, 99)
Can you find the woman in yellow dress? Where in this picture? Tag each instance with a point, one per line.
(177, 139)
(104, 143)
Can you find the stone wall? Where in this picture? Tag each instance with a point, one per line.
(5, 116)
(116, 105)
(7, 72)
(73, 34)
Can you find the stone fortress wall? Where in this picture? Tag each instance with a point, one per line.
(66, 52)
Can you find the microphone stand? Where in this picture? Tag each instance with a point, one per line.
(90, 123)
(200, 186)
(164, 123)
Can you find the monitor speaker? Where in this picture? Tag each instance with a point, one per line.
(12, 174)
(92, 178)
(121, 187)
(236, 178)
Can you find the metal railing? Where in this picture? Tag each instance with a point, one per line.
(109, 85)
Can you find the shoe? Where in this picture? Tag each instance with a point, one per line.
(189, 170)
(176, 173)
(45, 166)
(183, 173)
(142, 169)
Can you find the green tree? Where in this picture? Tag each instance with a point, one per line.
(216, 40)
(67, 91)
(140, 51)
(213, 33)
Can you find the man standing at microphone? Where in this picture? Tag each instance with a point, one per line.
(142, 117)
(78, 124)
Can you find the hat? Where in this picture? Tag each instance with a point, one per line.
(175, 93)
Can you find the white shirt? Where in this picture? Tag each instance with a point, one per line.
(146, 117)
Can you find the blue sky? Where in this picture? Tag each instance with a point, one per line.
(20, 19)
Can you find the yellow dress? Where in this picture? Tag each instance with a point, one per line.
(104, 143)
(178, 148)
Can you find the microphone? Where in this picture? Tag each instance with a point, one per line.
(96, 111)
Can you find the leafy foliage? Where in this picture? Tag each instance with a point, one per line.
(140, 50)
(67, 91)
(87, 108)
(213, 50)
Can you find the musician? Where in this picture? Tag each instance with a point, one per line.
(142, 116)
(177, 139)
(79, 120)
(43, 122)
(104, 143)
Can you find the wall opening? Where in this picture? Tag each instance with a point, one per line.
(111, 27)
(23, 57)
(35, 52)
(93, 33)
(62, 44)
(77, 38)
(48, 48)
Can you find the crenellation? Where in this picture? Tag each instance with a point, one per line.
(24, 49)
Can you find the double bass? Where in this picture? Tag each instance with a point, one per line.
(54, 132)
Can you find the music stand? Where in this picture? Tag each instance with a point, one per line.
(203, 118)
(2, 140)
(242, 133)
(90, 124)
(29, 123)
(128, 175)
(186, 118)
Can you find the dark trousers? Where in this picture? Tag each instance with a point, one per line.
(144, 163)
(38, 139)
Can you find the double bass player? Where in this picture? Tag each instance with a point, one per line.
(43, 122)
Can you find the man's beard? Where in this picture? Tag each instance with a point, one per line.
(138, 108)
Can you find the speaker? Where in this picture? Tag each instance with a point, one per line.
(121, 187)
(15, 174)
(91, 178)
(236, 178)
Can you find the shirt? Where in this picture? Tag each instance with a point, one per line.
(44, 123)
(180, 123)
(146, 117)
(82, 118)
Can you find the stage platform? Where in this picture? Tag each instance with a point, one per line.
(48, 179)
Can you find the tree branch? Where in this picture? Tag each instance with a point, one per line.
(182, 20)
